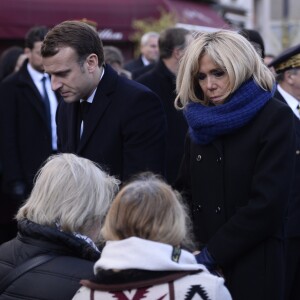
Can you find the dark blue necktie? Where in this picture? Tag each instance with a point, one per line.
(84, 109)
(46, 102)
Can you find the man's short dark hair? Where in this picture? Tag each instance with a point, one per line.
(76, 35)
(35, 34)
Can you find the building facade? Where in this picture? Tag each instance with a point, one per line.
(278, 21)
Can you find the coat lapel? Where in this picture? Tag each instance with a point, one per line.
(100, 103)
(34, 98)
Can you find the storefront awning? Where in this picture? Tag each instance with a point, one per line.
(114, 17)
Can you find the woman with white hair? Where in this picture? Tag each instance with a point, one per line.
(146, 229)
(237, 163)
(61, 221)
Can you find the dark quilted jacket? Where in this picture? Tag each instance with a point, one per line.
(53, 280)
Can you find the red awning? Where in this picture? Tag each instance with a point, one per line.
(198, 14)
(114, 17)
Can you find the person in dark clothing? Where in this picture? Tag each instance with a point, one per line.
(254, 37)
(62, 217)
(27, 125)
(238, 161)
(11, 61)
(149, 52)
(162, 80)
(125, 128)
(287, 67)
(114, 57)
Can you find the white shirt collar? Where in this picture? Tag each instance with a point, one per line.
(35, 75)
(146, 62)
(290, 100)
(90, 99)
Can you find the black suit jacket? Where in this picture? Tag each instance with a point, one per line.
(25, 137)
(134, 64)
(161, 81)
(125, 128)
(141, 71)
(293, 220)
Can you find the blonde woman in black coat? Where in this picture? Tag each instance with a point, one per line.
(238, 162)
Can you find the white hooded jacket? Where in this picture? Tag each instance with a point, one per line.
(185, 280)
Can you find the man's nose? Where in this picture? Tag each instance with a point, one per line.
(55, 83)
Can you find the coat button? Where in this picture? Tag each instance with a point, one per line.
(218, 209)
(198, 207)
(297, 152)
(198, 158)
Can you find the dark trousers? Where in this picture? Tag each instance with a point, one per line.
(292, 280)
(8, 225)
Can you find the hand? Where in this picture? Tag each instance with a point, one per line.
(205, 258)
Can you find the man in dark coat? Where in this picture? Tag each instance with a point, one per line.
(148, 55)
(124, 129)
(149, 52)
(28, 130)
(162, 80)
(287, 66)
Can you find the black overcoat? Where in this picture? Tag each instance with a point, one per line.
(293, 218)
(25, 137)
(125, 130)
(161, 81)
(292, 224)
(134, 64)
(238, 188)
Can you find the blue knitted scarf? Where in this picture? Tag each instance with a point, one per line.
(208, 122)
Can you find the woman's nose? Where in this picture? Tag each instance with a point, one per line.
(210, 83)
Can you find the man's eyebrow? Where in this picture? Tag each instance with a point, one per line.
(60, 72)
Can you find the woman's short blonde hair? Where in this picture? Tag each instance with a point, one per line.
(230, 51)
(70, 191)
(148, 208)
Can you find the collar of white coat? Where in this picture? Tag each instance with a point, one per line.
(137, 253)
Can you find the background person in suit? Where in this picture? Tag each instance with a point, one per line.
(149, 54)
(254, 37)
(114, 57)
(11, 61)
(238, 161)
(162, 80)
(27, 122)
(287, 67)
(124, 130)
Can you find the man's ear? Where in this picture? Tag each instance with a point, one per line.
(92, 62)
(177, 53)
(27, 51)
